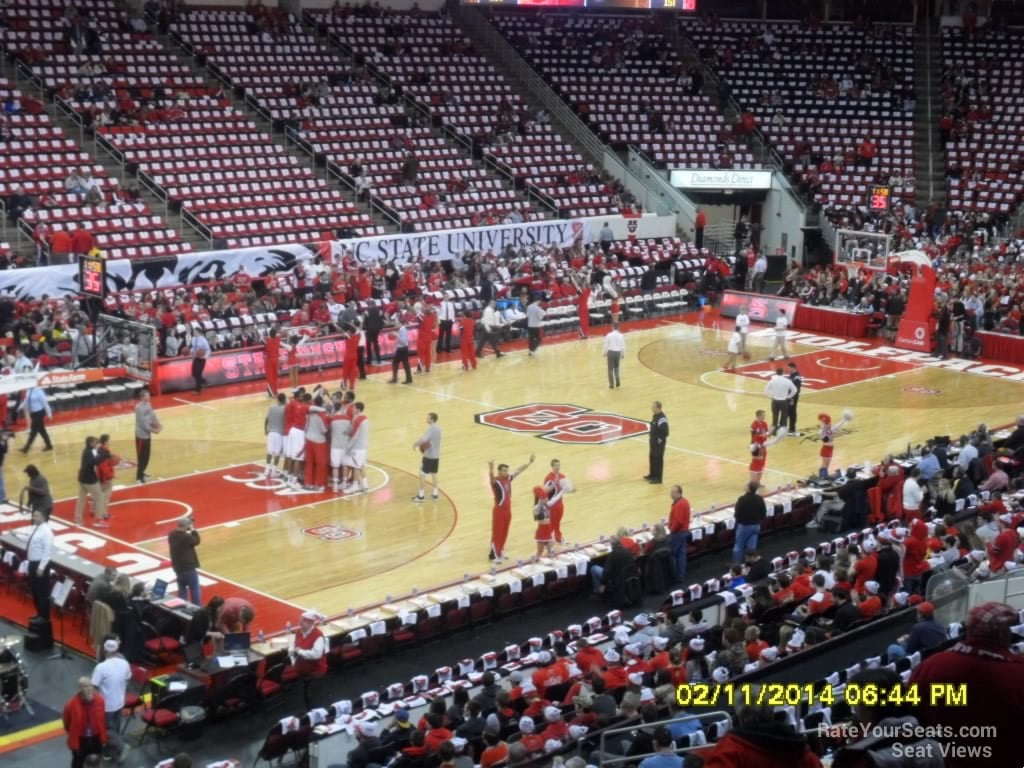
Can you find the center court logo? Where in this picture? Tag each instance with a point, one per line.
(331, 532)
(564, 423)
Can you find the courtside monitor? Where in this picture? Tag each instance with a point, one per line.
(159, 589)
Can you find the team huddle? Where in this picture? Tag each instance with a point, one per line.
(321, 437)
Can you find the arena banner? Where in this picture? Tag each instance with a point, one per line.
(760, 308)
(236, 365)
(210, 266)
(446, 244)
(161, 272)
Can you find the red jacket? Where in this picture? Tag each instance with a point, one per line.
(679, 518)
(745, 749)
(78, 713)
(915, 561)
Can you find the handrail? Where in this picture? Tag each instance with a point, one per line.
(718, 715)
(543, 198)
(204, 231)
(377, 203)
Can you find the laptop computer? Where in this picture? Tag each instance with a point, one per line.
(194, 654)
(237, 642)
(159, 589)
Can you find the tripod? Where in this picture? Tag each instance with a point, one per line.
(19, 700)
(62, 649)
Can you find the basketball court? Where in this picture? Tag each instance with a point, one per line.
(284, 549)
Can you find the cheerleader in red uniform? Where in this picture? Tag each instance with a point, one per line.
(293, 360)
(827, 436)
(758, 457)
(553, 484)
(759, 428)
(582, 283)
(425, 340)
(467, 341)
(545, 534)
(826, 432)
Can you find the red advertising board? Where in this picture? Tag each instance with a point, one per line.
(237, 365)
(761, 308)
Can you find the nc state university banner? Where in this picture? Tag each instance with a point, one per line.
(443, 245)
(210, 266)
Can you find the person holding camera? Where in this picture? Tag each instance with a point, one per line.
(182, 543)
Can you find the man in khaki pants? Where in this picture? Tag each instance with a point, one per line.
(89, 485)
(105, 463)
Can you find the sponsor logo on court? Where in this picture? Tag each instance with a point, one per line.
(332, 532)
(912, 358)
(917, 390)
(564, 423)
(825, 369)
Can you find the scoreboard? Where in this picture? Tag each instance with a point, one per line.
(641, 5)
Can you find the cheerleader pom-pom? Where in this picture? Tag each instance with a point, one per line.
(847, 415)
(779, 434)
(567, 486)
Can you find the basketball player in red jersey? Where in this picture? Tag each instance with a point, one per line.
(350, 365)
(272, 360)
(553, 484)
(501, 515)
(316, 433)
(467, 341)
(295, 436)
(425, 340)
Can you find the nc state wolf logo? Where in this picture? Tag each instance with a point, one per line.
(331, 532)
(563, 423)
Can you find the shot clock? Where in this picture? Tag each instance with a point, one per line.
(92, 277)
(880, 198)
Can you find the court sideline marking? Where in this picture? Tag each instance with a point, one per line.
(191, 402)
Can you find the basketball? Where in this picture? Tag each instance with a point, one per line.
(746, 355)
(567, 486)
(424, 446)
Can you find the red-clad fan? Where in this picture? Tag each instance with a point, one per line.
(308, 654)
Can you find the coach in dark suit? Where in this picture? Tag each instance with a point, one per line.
(373, 324)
